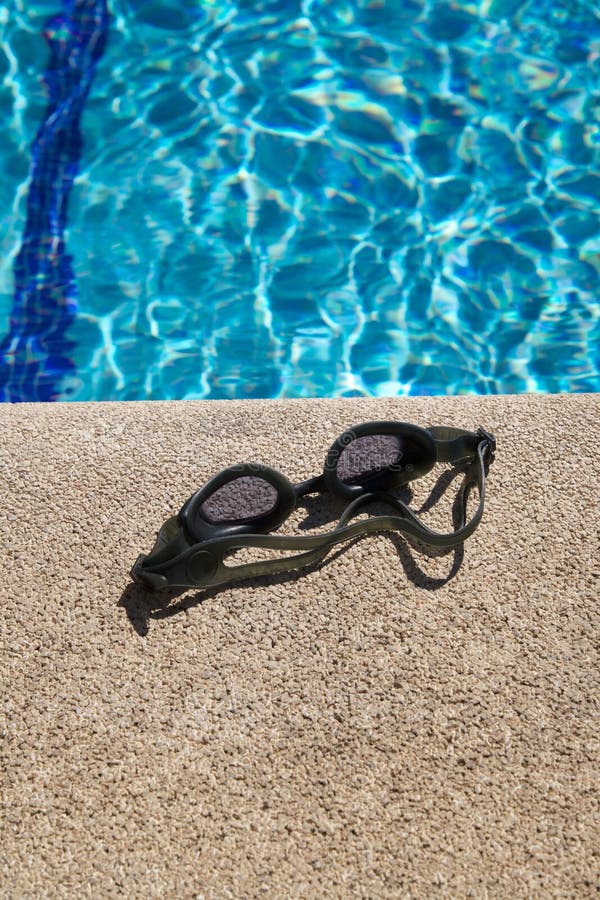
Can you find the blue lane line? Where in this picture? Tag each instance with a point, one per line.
(34, 355)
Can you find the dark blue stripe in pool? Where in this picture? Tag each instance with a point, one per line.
(34, 355)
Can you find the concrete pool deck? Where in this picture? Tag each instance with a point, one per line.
(387, 724)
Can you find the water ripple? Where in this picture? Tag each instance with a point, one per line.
(295, 199)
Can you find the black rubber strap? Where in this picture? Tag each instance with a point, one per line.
(454, 444)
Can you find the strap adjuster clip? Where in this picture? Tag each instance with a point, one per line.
(490, 446)
(134, 574)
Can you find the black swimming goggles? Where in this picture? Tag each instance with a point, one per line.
(240, 506)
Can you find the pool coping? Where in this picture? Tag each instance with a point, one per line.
(386, 723)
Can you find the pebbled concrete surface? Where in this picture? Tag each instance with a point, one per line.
(389, 724)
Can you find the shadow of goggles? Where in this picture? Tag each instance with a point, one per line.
(240, 506)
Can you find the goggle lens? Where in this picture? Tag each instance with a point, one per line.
(247, 497)
(368, 456)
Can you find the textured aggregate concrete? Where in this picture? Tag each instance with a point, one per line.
(389, 724)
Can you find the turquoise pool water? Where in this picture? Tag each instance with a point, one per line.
(291, 199)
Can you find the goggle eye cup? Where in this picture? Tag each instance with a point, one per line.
(378, 456)
(248, 498)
